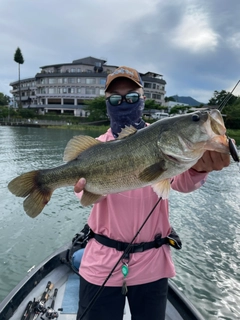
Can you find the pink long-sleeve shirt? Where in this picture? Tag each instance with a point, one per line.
(119, 216)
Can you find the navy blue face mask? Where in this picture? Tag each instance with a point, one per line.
(124, 115)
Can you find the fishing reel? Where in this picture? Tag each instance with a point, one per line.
(51, 314)
(40, 307)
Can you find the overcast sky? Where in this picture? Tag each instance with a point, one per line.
(194, 44)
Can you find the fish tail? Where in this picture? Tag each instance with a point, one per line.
(29, 185)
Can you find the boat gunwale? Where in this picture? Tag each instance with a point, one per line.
(11, 302)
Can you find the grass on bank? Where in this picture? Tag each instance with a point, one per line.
(82, 127)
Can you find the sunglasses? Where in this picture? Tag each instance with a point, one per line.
(117, 99)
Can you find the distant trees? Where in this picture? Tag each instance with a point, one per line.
(97, 108)
(220, 96)
(152, 104)
(179, 109)
(18, 57)
(169, 99)
(231, 109)
(4, 99)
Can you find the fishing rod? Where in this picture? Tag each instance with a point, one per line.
(232, 146)
(40, 304)
(50, 312)
(227, 98)
(28, 311)
(125, 253)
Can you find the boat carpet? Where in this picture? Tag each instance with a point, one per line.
(71, 294)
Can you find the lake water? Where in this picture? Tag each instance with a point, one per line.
(208, 221)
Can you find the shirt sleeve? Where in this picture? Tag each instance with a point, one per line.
(189, 180)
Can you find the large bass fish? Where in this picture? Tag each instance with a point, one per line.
(150, 156)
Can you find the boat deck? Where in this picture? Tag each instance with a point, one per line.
(66, 303)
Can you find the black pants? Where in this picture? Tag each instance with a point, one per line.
(146, 301)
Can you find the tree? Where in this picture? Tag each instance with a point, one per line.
(219, 97)
(97, 108)
(232, 119)
(169, 99)
(152, 104)
(179, 109)
(18, 57)
(4, 99)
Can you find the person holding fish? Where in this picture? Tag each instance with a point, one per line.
(116, 218)
(127, 173)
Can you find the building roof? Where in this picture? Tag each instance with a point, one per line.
(87, 61)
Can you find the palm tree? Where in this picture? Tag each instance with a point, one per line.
(18, 57)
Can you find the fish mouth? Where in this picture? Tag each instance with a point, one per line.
(171, 158)
(216, 122)
(178, 160)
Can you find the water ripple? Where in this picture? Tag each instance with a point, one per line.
(207, 220)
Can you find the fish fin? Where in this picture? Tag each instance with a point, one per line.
(162, 188)
(28, 185)
(77, 145)
(89, 198)
(126, 132)
(35, 202)
(152, 172)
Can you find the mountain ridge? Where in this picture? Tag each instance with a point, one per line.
(188, 100)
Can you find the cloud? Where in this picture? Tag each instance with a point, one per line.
(194, 32)
(193, 44)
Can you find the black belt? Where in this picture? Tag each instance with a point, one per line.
(135, 247)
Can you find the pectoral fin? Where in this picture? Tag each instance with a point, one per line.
(89, 198)
(152, 172)
(162, 188)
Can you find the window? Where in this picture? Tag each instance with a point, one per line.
(65, 80)
(147, 95)
(154, 86)
(71, 90)
(72, 70)
(154, 96)
(102, 92)
(59, 80)
(90, 81)
(147, 85)
(59, 90)
(102, 81)
(51, 90)
(72, 80)
(78, 80)
(78, 70)
(79, 90)
(90, 90)
(159, 96)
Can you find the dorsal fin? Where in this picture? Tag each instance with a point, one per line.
(77, 145)
(126, 132)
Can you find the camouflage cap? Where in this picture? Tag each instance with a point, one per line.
(124, 72)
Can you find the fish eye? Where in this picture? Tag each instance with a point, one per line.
(195, 117)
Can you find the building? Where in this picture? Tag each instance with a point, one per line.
(62, 88)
